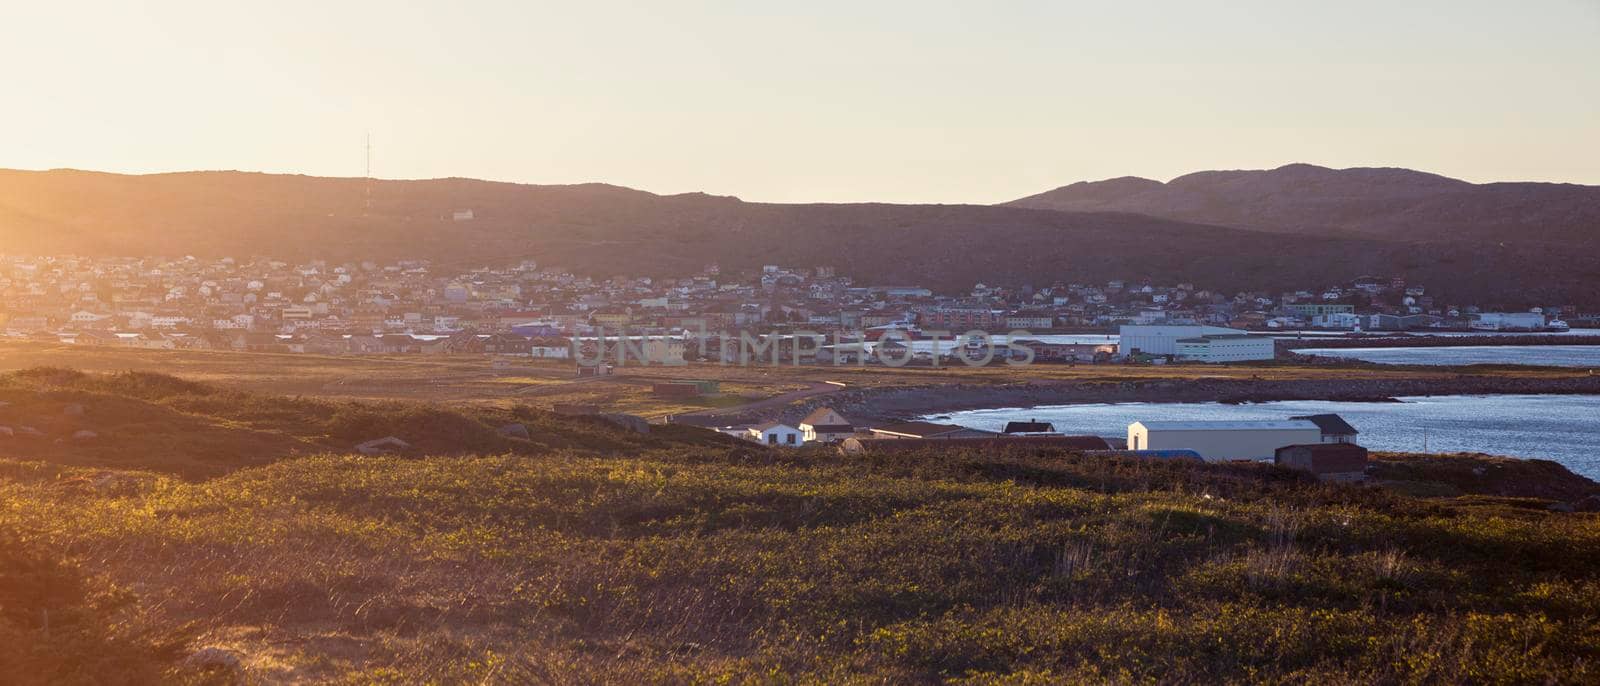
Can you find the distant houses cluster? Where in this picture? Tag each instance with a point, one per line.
(1321, 444)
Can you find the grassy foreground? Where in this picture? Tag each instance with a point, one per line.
(716, 565)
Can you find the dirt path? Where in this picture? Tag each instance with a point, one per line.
(815, 388)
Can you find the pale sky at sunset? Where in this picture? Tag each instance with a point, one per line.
(803, 101)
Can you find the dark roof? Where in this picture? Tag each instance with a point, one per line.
(919, 428)
(1331, 424)
(993, 443)
(1028, 427)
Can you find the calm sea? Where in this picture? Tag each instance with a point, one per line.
(1564, 428)
(1547, 355)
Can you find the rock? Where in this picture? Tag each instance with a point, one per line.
(383, 446)
(73, 410)
(1589, 504)
(213, 658)
(630, 422)
(1560, 507)
(29, 431)
(1479, 471)
(84, 435)
(7, 432)
(515, 431)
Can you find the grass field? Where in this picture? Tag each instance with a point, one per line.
(483, 380)
(223, 538)
(715, 567)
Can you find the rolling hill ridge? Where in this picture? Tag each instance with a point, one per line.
(606, 230)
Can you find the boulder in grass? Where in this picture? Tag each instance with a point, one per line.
(630, 422)
(388, 445)
(215, 660)
(29, 431)
(7, 432)
(84, 435)
(515, 431)
(73, 410)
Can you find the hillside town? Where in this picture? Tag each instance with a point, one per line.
(531, 310)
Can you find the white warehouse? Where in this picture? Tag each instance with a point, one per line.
(1222, 441)
(1226, 348)
(1163, 340)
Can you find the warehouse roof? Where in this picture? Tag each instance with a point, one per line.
(1260, 425)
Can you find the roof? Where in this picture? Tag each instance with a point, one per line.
(818, 415)
(1331, 424)
(1028, 427)
(919, 428)
(988, 443)
(1258, 425)
(773, 425)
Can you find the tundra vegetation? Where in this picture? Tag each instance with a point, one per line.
(590, 554)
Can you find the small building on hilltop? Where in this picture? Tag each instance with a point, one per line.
(824, 425)
(1219, 441)
(1328, 461)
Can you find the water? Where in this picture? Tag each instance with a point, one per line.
(1548, 355)
(1563, 428)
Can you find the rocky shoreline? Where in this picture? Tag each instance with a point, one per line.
(879, 405)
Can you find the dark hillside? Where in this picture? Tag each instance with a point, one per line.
(606, 230)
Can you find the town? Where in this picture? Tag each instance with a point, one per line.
(265, 305)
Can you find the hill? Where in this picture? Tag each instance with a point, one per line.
(154, 422)
(606, 230)
(1305, 199)
(720, 565)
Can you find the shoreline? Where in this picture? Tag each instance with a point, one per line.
(881, 405)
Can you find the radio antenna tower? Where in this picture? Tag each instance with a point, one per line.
(368, 209)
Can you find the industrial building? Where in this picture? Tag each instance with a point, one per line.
(1218, 441)
(1509, 321)
(1163, 340)
(1226, 348)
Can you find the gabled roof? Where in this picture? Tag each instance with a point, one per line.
(1331, 424)
(772, 425)
(820, 414)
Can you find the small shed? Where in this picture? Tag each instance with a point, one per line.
(1328, 461)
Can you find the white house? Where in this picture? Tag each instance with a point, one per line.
(826, 425)
(1226, 348)
(775, 433)
(1218, 441)
(1163, 340)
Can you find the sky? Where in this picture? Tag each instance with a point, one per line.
(816, 101)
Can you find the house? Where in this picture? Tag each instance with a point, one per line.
(928, 430)
(1031, 426)
(776, 433)
(824, 425)
(1334, 428)
(1219, 441)
(554, 347)
(1328, 461)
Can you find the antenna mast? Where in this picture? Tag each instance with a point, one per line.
(369, 175)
